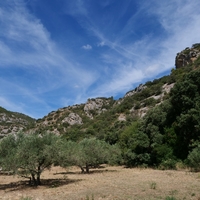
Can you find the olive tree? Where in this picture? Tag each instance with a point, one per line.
(28, 154)
(88, 153)
(8, 148)
(68, 153)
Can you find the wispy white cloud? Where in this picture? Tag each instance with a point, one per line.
(87, 47)
(24, 37)
(75, 7)
(182, 24)
(101, 44)
(122, 81)
(27, 43)
(150, 55)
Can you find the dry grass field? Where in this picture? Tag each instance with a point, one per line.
(107, 183)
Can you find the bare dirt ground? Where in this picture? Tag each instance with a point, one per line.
(108, 183)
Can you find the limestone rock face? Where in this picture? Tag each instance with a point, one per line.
(137, 89)
(187, 56)
(95, 105)
(11, 119)
(11, 123)
(122, 117)
(72, 119)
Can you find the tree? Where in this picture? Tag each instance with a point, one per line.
(68, 153)
(136, 152)
(153, 125)
(88, 153)
(94, 152)
(31, 154)
(8, 148)
(185, 113)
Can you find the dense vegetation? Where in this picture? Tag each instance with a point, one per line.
(169, 131)
(164, 136)
(167, 134)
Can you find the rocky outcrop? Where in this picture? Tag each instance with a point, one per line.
(11, 119)
(137, 89)
(187, 56)
(95, 105)
(165, 90)
(122, 117)
(72, 119)
(12, 122)
(141, 112)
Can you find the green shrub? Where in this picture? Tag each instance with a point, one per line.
(150, 102)
(194, 159)
(168, 164)
(197, 62)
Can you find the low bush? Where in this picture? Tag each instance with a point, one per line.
(194, 159)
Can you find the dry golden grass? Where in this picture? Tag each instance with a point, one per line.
(109, 183)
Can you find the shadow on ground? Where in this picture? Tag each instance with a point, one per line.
(48, 183)
(92, 171)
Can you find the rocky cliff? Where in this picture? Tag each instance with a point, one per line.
(187, 56)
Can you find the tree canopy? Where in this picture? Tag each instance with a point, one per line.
(89, 152)
(28, 154)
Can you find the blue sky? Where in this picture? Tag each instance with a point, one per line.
(56, 53)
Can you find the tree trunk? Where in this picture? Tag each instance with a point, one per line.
(82, 169)
(30, 182)
(34, 180)
(87, 168)
(38, 176)
(38, 179)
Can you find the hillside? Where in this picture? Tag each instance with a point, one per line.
(101, 116)
(101, 113)
(13, 122)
